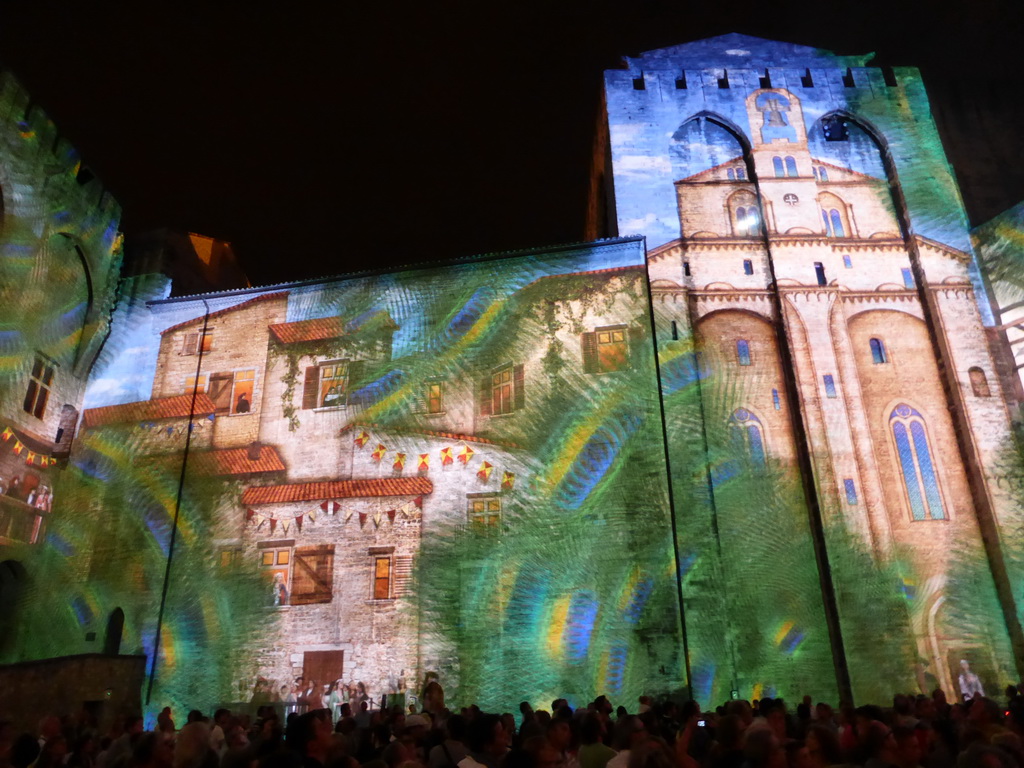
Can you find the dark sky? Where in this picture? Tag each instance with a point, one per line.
(321, 138)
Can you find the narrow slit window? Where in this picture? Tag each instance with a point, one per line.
(686, 268)
(819, 273)
(878, 356)
(730, 174)
(675, 331)
(908, 278)
(776, 400)
(979, 383)
(743, 351)
(741, 173)
(748, 267)
(830, 386)
(851, 491)
(823, 174)
(847, 262)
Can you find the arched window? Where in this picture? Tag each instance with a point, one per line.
(743, 351)
(878, 352)
(747, 435)
(823, 174)
(730, 173)
(746, 221)
(791, 167)
(920, 480)
(777, 165)
(741, 173)
(834, 214)
(979, 382)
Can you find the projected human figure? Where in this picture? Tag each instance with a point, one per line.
(242, 406)
(970, 683)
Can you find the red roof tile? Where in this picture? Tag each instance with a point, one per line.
(608, 271)
(221, 312)
(337, 489)
(235, 461)
(308, 330)
(321, 328)
(178, 407)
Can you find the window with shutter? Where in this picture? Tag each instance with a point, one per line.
(403, 575)
(589, 344)
(220, 391)
(190, 344)
(485, 396)
(310, 386)
(312, 574)
(356, 379)
(606, 350)
(382, 578)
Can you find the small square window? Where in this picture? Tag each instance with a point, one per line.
(38, 392)
(268, 557)
(830, 386)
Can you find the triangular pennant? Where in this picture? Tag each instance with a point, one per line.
(335, 506)
(273, 524)
(484, 473)
(418, 501)
(391, 514)
(362, 438)
(248, 514)
(399, 464)
(446, 457)
(324, 506)
(312, 516)
(31, 457)
(379, 453)
(348, 515)
(508, 481)
(362, 519)
(298, 522)
(424, 464)
(465, 455)
(18, 447)
(284, 526)
(376, 519)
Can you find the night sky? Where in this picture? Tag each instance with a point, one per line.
(322, 138)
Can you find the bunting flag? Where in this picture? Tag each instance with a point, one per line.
(298, 522)
(379, 453)
(18, 446)
(7, 434)
(376, 520)
(424, 464)
(508, 481)
(284, 526)
(391, 514)
(446, 457)
(31, 458)
(273, 524)
(484, 474)
(418, 501)
(330, 507)
(348, 515)
(249, 513)
(312, 516)
(362, 519)
(362, 438)
(465, 455)
(399, 464)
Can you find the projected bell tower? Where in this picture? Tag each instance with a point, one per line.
(819, 309)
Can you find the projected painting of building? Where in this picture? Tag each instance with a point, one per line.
(805, 233)
(761, 443)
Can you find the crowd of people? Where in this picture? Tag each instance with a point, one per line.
(914, 732)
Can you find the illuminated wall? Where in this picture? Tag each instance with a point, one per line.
(807, 241)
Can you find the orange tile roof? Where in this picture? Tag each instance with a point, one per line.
(606, 271)
(317, 329)
(220, 312)
(235, 461)
(177, 407)
(337, 489)
(321, 328)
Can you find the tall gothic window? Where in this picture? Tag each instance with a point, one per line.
(747, 435)
(916, 466)
(878, 355)
(791, 167)
(777, 166)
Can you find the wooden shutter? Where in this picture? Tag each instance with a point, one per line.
(519, 381)
(403, 575)
(312, 574)
(589, 343)
(220, 391)
(190, 344)
(637, 350)
(419, 401)
(310, 388)
(356, 378)
(486, 396)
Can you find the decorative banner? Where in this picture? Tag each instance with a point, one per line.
(30, 459)
(298, 522)
(18, 447)
(362, 438)
(249, 513)
(399, 464)
(465, 455)
(424, 464)
(446, 457)
(484, 474)
(376, 520)
(508, 481)
(329, 506)
(273, 524)
(312, 516)
(362, 519)
(391, 514)
(379, 453)
(7, 434)
(348, 515)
